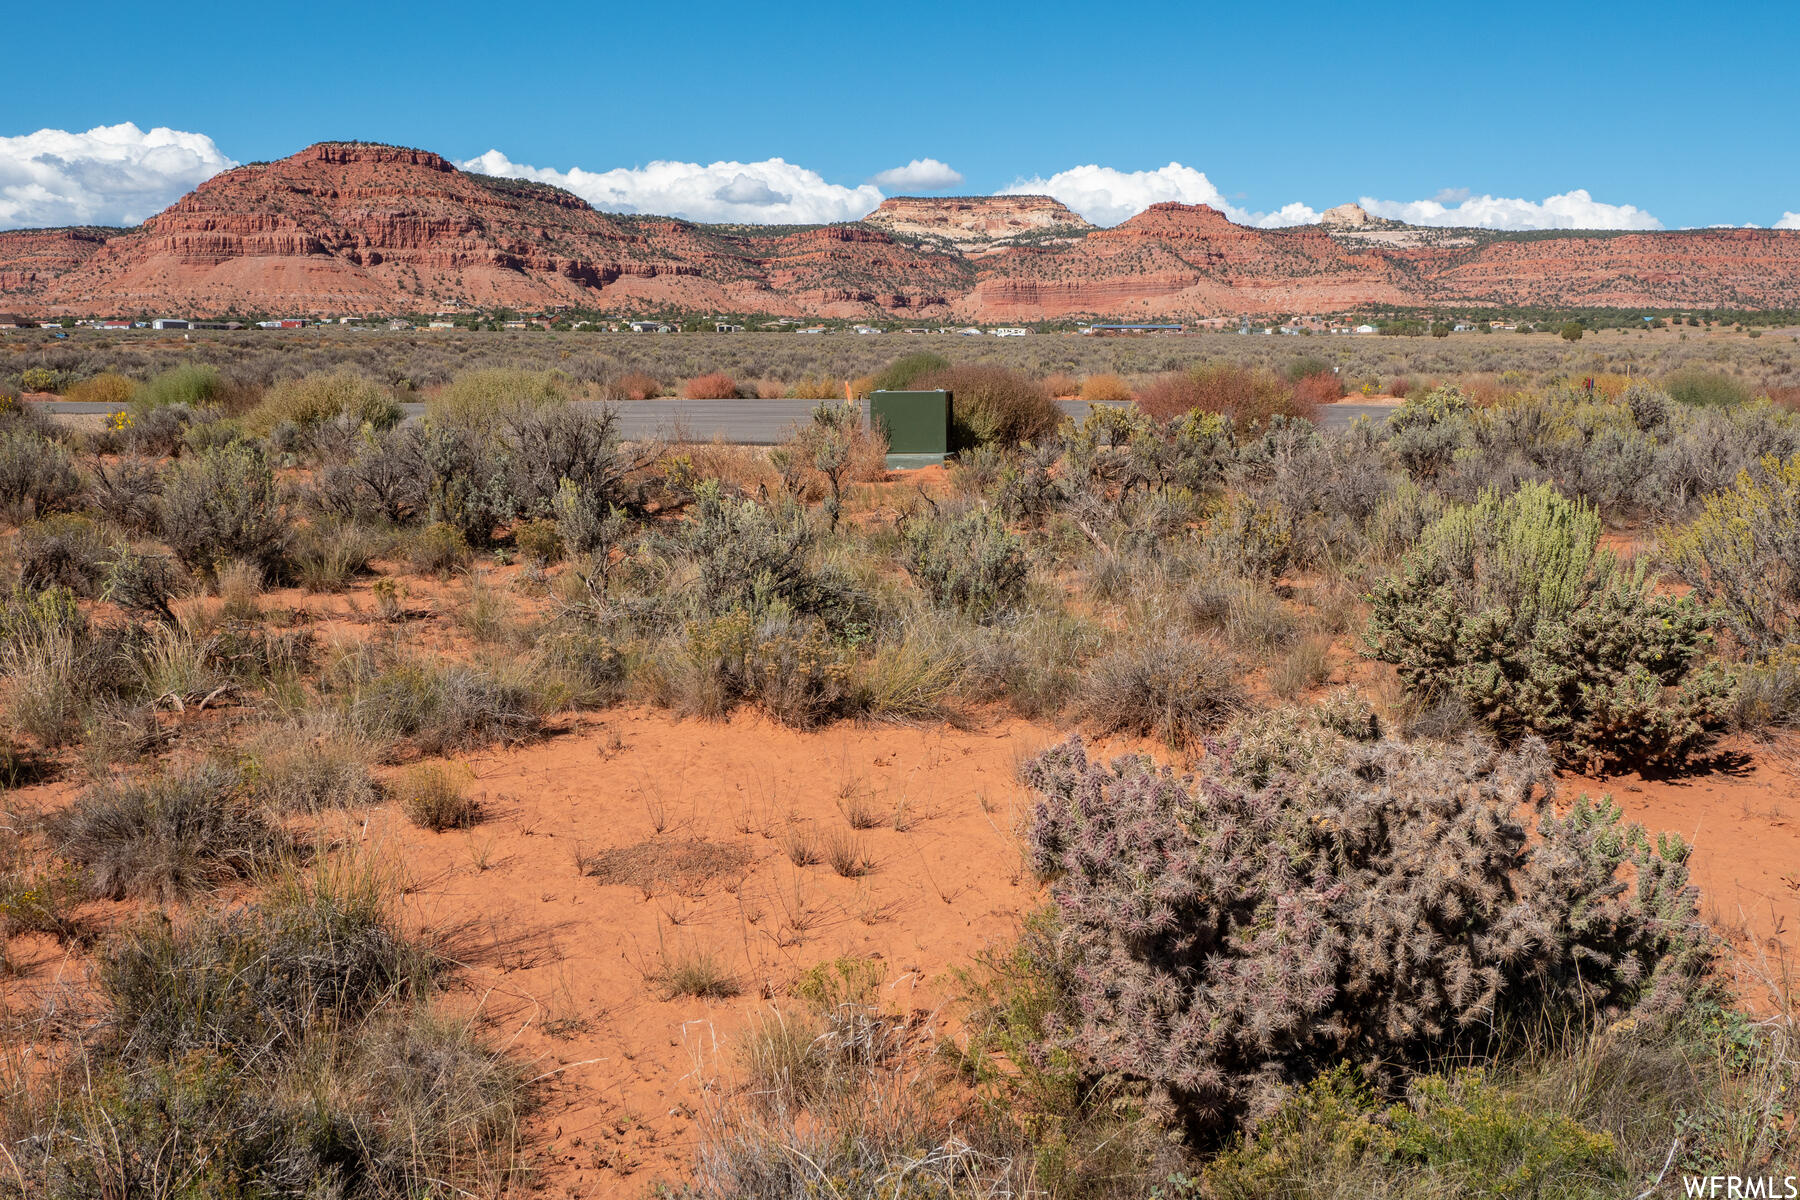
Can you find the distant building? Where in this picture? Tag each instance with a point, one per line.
(651, 327)
(1110, 329)
(726, 327)
(1366, 329)
(971, 331)
(169, 323)
(440, 325)
(1013, 331)
(13, 321)
(867, 329)
(811, 329)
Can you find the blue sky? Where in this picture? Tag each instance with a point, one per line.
(1677, 116)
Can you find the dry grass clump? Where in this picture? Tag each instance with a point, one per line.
(693, 971)
(440, 707)
(1163, 684)
(633, 385)
(435, 796)
(310, 764)
(687, 865)
(178, 831)
(1105, 389)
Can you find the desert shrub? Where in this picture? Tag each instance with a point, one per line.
(125, 492)
(1705, 449)
(1237, 929)
(1032, 664)
(590, 667)
(436, 549)
(816, 387)
(834, 446)
(435, 796)
(1700, 388)
(382, 478)
(224, 504)
(1510, 605)
(1403, 515)
(36, 474)
(1170, 395)
(158, 432)
(633, 385)
(39, 379)
(540, 449)
(972, 563)
(1060, 383)
(1768, 692)
(464, 478)
(192, 385)
(274, 1049)
(1246, 612)
(1254, 538)
(714, 386)
(1105, 389)
(312, 400)
(65, 550)
(1742, 552)
(174, 832)
(904, 372)
(440, 707)
(108, 387)
(537, 540)
(993, 406)
(329, 554)
(789, 666)
(481, 397)
(1399, 387)
(1425, 433)
(750, 556)
(1162, 684)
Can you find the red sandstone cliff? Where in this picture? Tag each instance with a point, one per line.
(357, 228)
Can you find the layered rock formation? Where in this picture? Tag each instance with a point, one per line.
(344, 228)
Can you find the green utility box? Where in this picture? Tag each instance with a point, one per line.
(917, 426)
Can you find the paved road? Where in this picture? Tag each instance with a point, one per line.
(746, 422)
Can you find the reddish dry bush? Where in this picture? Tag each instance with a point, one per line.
(1786, 397)
(1483, 391)
(1316, 389)
(1249, 396)
(1061, 383)
(634, 385)
(714, 386)
(1399, 386)
(1105, 389)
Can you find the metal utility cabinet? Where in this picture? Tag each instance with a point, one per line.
(917, 425)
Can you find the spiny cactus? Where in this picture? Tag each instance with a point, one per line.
(1510, 605)
(1320, 899)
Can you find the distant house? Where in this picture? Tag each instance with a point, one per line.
(112, 324)
(515, 325)
(169, 323)
(1111, 329)
(726, 327)
(811, 329)
(651, 327)
(398, 325)
(971, 331)
(867, 329)
(1365, 329)
(1012, 331)
(14, 321)
(440, 325)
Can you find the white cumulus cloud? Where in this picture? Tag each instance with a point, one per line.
(1789, 220)
(110, 175)
(919, 175)
(1107, 195)
(1570, 210)
(771, 192)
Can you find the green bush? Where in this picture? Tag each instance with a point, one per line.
(907, 370)
(195, 385)
(223, 504)
(994, 406)
(1743, 553)
(1461, 1135)
(1510, 606)
(485, 396)
(311, 400)
(1700, 388)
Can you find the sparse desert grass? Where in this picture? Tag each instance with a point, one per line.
(695, 972)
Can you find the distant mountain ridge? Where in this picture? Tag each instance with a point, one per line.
(358, 228)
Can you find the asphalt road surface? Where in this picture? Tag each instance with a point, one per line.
(744, 422)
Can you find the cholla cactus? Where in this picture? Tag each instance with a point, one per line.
(1326, 899)
(1510, 605)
